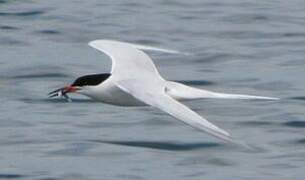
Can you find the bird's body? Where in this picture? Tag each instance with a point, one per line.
(108, 92)
(135, 81)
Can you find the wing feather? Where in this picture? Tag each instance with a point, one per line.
(127, 59)
(135, 73)
(159, 99)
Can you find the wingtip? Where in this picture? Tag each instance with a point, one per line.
(91, 43)
(98, 41)
(95, 43)
(226, 138)
(220, 134)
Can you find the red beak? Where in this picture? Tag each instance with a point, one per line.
(63, 91)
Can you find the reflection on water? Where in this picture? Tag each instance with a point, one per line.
(237, 47)
(9, 28)
(22, 14)
(11, 176)
(197, 82)
(170, 146)
(46, 75)
(299, 98)
(295, 124)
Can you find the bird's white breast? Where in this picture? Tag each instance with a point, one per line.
(109, 92)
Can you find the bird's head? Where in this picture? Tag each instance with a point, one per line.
(81, 85)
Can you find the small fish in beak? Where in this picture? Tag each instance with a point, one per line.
(62, 92)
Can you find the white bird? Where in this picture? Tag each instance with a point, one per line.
(135, 81)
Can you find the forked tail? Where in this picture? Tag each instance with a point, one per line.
(182, 92)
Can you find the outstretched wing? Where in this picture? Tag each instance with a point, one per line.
(135, 73)
(155, 96)
(127, 60)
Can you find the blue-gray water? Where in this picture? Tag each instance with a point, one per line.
(254, 47)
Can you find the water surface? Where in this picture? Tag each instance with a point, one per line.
(238, 46)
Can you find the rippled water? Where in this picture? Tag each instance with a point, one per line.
(255, 47)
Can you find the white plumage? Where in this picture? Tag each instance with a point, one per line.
(135, 81)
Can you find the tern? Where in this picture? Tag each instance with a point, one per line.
(135, 81)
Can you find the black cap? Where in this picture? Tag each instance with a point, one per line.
(91, 80)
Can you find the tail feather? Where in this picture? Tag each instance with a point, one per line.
(182, 92)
